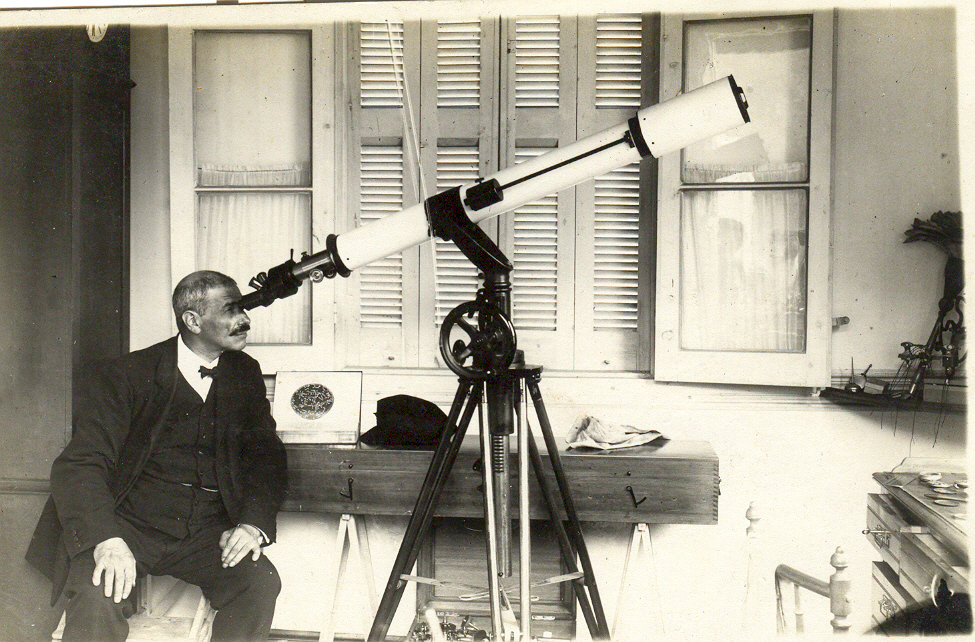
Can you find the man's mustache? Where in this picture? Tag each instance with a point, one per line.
(241, 329)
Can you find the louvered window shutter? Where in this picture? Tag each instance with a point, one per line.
(458, 102)
(619, 59)
(456, 276)
(536, 252)
(383, 66)
(381, 55)
(537, 61)
(381, 194)
(381, 171)
(491, 101)
(458, 95)
(459, 64)
(616, 273)
(539, 113)
(612, 251)
(616, 256)
(535, 226)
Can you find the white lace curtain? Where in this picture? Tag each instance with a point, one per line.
(743, 270)
(248, 232)
(743, 249)
(252, 133)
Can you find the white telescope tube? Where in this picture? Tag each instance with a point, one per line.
(653, 131)
(665, 127)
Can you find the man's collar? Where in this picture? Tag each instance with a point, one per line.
(188, 358)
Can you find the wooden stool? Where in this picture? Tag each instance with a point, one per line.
(150, 622)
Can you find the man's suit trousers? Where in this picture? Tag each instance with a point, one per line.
(243, 595)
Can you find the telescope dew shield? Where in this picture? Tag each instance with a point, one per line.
(696, 115)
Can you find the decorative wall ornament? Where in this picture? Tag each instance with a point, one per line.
(96, 32)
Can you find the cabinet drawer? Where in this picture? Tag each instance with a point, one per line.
(888, 596)
(886, 522)
(923, 560)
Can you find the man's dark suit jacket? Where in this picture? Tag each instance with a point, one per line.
(117, 421)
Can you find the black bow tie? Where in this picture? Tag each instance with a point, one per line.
(208, 372)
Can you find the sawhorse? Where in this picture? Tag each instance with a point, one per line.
(639, 552)
(351, 532)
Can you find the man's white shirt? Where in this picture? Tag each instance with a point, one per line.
(189, 364)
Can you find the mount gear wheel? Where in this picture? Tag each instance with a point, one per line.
(477, 340)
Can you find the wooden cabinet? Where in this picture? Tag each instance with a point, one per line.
(921, 537)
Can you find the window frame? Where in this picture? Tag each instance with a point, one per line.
(319, 353)
(336, 335)
(810, 368)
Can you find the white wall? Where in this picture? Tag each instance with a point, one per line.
(808, 463)
(896, 157)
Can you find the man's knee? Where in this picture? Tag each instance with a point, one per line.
(256, 583)
(265, 578)
(89, 615)
(80, 589)
(93, 599)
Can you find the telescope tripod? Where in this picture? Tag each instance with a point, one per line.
(491, 343)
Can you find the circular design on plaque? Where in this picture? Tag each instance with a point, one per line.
(312, 401)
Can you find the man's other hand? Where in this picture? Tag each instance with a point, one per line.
(236, 543)
(115, 560)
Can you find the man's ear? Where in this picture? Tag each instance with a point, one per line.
(192, 321)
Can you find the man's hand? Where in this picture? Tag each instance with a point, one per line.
(236, 543)
(115, 560)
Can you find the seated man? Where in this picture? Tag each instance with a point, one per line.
(174, 468)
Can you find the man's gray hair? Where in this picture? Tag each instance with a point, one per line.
(192, 290)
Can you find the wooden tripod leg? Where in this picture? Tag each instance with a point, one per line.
(572, 516)
(469, 394)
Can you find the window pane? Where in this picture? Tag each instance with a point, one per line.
(233, 238)
(770, 60)
(252, 122)
(743, 270)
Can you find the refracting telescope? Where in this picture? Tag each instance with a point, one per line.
(478, 340)
(653, 131)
